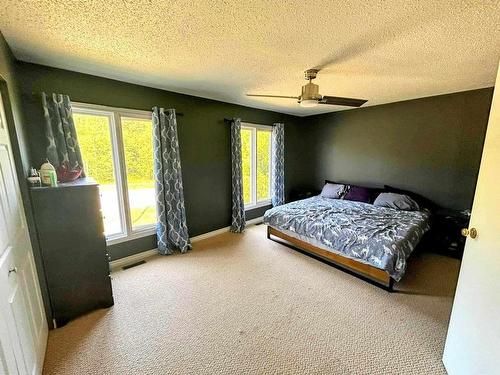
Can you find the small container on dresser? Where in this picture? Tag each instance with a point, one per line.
(73, 246)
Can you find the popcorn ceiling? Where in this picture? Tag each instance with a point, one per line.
(383, 51)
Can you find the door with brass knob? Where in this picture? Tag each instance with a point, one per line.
(472, 232)
(23, 324)
(473, 338)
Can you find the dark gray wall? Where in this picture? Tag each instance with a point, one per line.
(203, 137)
(9, 87)
(431, 146)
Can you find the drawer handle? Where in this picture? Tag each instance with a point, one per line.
(13, 270)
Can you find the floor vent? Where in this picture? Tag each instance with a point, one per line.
(133, 265)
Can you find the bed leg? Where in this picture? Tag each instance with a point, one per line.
(390, 287)
(268, 234)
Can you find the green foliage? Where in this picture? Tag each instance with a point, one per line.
(263, 145)
(263, 164)
(94, 138)
(95, 144)
(246, 157)
(138, 148)
(143, 216)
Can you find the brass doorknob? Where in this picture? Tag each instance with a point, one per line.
(472, 232)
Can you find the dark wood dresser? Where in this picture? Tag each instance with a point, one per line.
(73, 246)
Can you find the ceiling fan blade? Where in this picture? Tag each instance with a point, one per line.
(337, 100)
(274, 96)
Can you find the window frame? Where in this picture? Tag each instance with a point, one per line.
(119, 165)
(255, 203)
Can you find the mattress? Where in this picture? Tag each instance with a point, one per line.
(379, 236)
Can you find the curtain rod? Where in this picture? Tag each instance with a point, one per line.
(228, 120)
(232, 118)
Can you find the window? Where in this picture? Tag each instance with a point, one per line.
(117, 151)
(256, 164)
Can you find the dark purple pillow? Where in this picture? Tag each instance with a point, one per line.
(361, 194)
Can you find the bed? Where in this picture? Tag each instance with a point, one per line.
(372, 242)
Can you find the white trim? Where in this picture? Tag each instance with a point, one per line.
(254, 166)
(258, 126)
(132, 236)
(119, 263)
(255, 221)
(117, 167)
(216, 232)
(255, 128)
(249, 207)
(121, 172)
(98, 107)
(209, 234)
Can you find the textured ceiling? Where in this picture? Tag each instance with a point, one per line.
(383, 51)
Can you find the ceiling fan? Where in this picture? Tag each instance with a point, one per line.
(310, 96)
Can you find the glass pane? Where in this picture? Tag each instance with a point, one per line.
(95, 143)
(246, 161)
(138, 148)
(263, 165)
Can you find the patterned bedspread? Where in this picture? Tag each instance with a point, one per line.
(381, 237)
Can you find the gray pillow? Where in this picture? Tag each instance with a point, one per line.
(334, 191)
(396, 201)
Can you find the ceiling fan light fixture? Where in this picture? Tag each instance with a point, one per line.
(308, 103)
(311, 97)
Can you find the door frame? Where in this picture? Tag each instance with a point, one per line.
(5, 90)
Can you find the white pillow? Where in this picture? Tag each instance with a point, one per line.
(396, 201)
(334, 191)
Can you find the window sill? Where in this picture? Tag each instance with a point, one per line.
(145, 232)
(257, 205)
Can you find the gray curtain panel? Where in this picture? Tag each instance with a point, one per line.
(278, 164)
(62, 142)
(238, 206)
(171, 228)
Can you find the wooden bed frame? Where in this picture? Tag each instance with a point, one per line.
(364, 271)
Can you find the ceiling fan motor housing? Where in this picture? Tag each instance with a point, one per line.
(310, 91)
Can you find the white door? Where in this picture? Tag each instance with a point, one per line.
(23, 327)
(473, 342)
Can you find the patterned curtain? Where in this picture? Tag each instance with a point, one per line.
(62, 142)
(278, 161)
(238, 207)
(171, 229)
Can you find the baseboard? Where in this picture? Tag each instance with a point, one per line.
(203, 236)
(257, 220)
(119, 263)
(209, 234)
(41, 348)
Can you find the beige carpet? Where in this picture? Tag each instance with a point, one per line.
(240, 304)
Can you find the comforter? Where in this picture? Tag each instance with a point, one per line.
(379, 236)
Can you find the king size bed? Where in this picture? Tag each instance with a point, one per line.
(371, 241)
